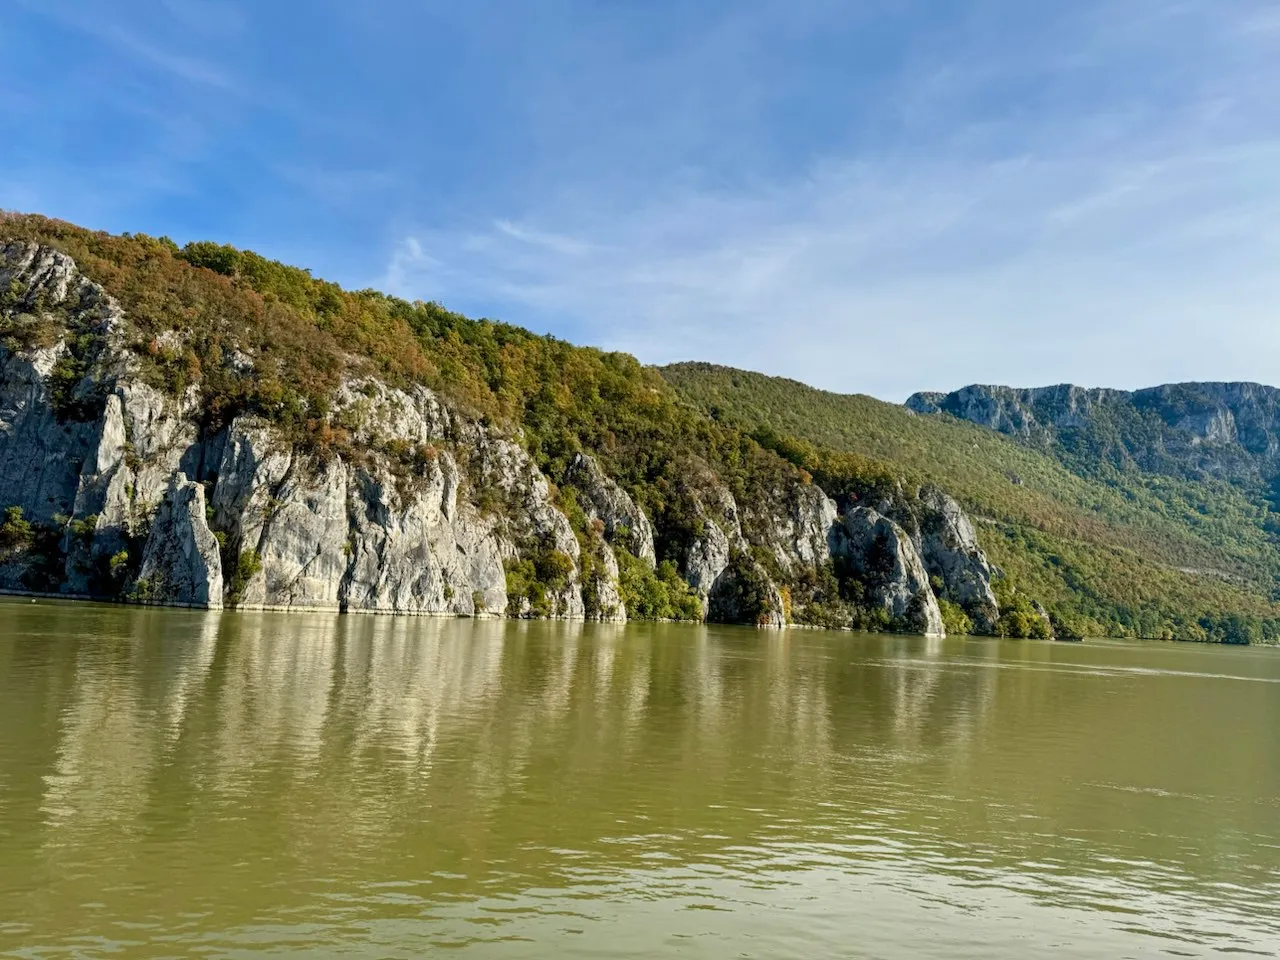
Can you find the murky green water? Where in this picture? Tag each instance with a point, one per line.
(177, 784)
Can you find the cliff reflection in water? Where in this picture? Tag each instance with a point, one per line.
(165, 758)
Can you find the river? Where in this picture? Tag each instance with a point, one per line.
(177, 783)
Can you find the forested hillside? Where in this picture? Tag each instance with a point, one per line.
(1110, 547)
(311, 447)
(200, 425)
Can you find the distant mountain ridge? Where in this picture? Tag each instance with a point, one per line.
(1125, 509)
(1197, 429)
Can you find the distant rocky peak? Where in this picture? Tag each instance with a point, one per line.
(1226, 430)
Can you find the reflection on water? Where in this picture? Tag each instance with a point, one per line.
(231, 784)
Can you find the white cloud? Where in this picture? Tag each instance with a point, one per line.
(409, 266)
(552, 242)
(890, 278)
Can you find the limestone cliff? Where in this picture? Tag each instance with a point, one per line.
(888, 564)
(944, 538)
(1195, 430)
(127, 490)
(181, 563)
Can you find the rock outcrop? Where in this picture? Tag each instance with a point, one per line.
(944, 539)
(181, 563)
(793, 524)
(717, 539)
(41, 448)
(1226, 430)
(419, 508)
(602, 594)
(529, 521)
(358, 537)
(1023, 413)
(744, 593)
(707, 558)
(625, 524)
(422, 551)
(949, 548)
(140, 442)
(884, 558)
(285, 519)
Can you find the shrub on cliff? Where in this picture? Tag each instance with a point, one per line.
(16, 533)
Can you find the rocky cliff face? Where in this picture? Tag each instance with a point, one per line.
(889, 565)
(127, 492)
(181, 563)
(944, 538)
(1228, 430)
(1025, 413)
(623, 523)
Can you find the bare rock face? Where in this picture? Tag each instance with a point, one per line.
(67, 448)
(422, 549)
(415, 545)
(886, 561)
(625, 524)
(375, 413)
(334, 535)
(1017, 412)
(707, 558)
(944, 538)
(602, 594)
(302, 543)
(720, 537)
(950, 551)
(39, 456)
(1227, 430)
(42, 449)
(46, 276)
(141, 440)
(181, 563)
(529, 520)
(794, 526)
(247, 500)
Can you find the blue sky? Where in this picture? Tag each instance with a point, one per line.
(876, 197)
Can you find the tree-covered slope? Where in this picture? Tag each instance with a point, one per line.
(1134, 551)
(190, 308)
(202, 425)
(732, 471)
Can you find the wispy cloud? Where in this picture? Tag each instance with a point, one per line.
(552, 242)
(182, 66)
(879, 196)
(142, 116)
(133, 44)
(1115, 238)
(217, 17)
(886, 280)
(408, 266)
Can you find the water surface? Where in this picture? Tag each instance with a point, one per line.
(242, 785)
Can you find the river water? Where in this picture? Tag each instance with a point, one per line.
(241, 784)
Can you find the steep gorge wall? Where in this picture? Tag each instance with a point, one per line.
(126, 493)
